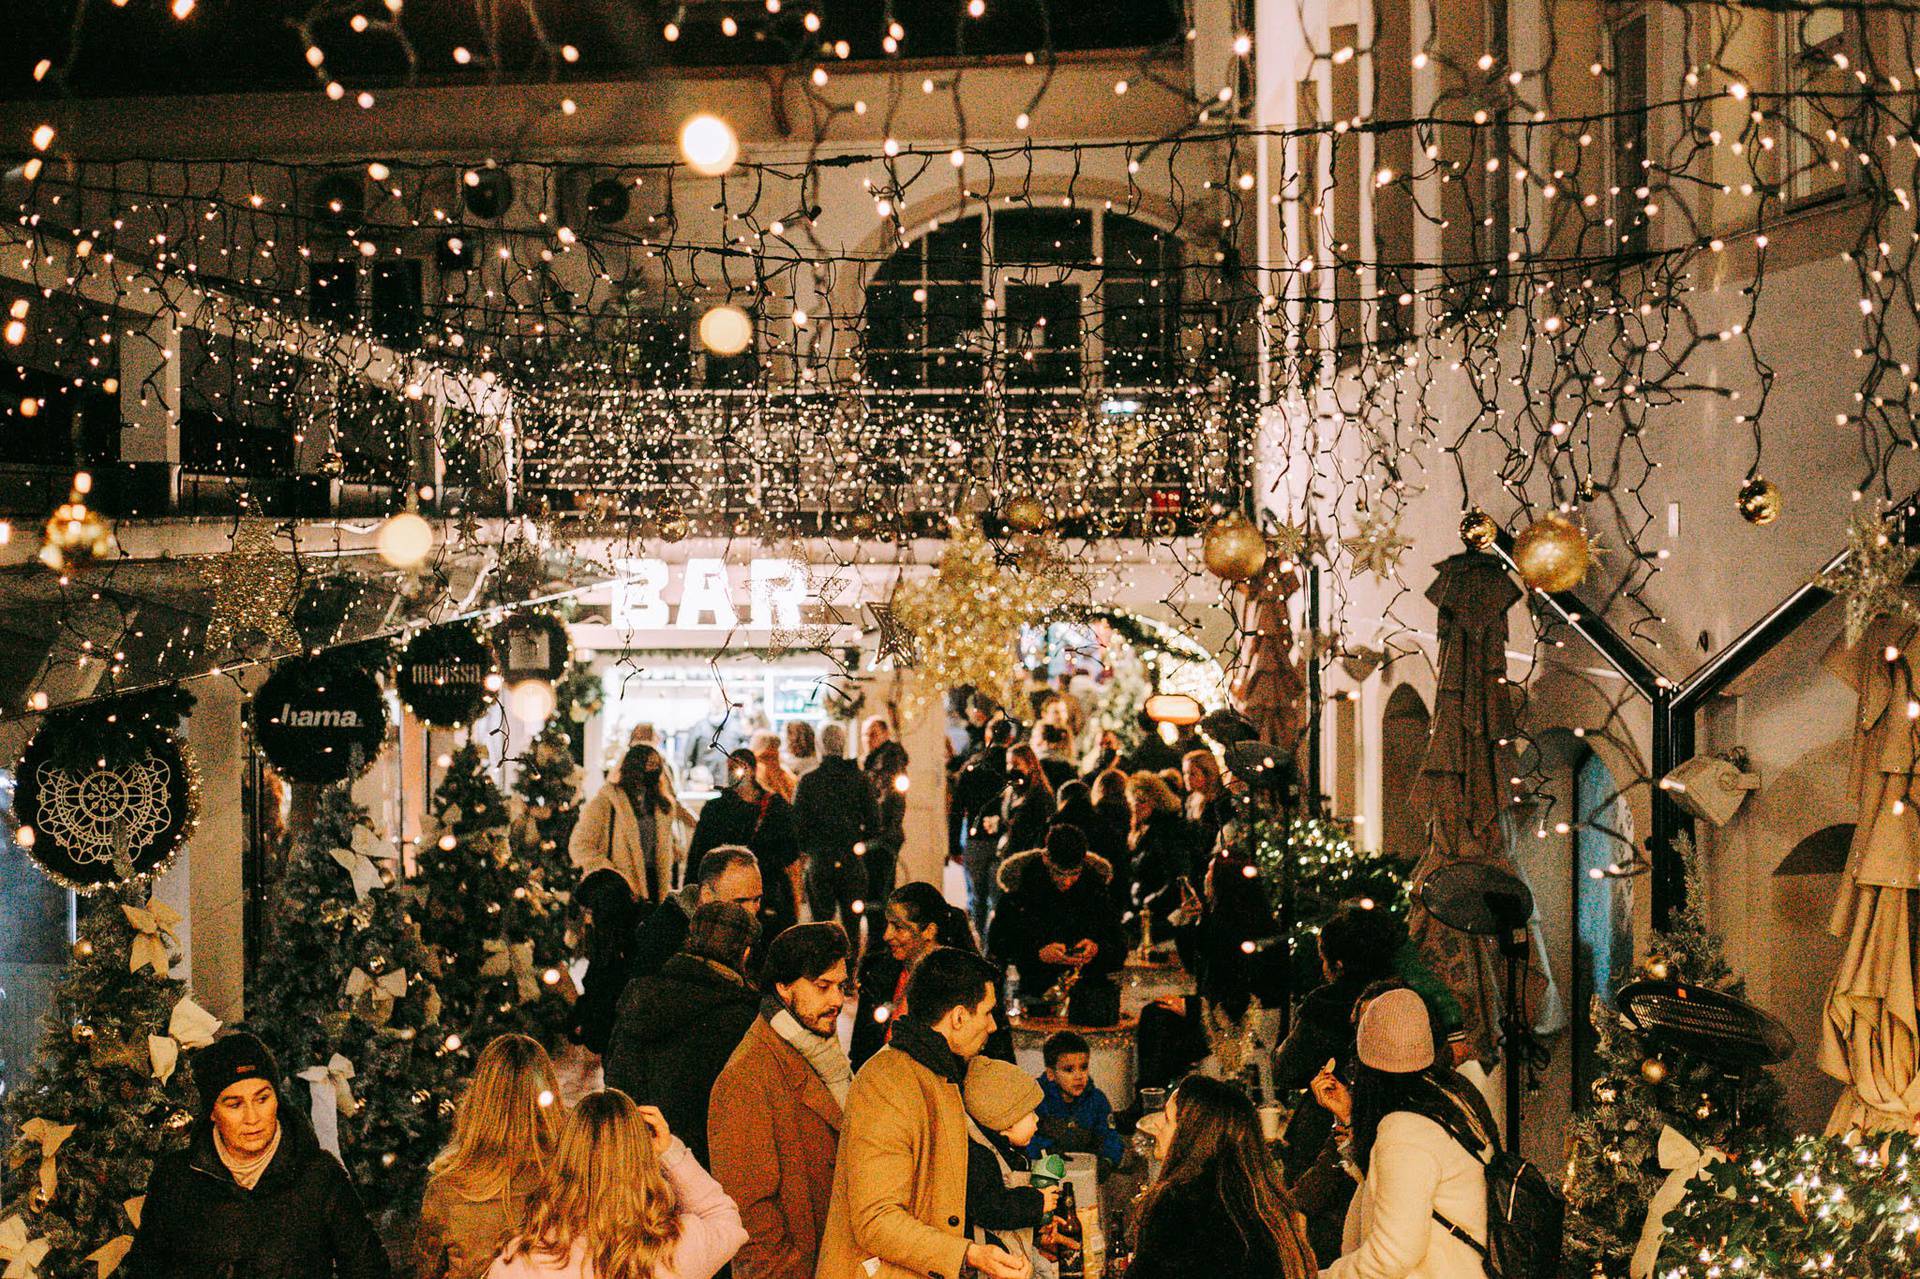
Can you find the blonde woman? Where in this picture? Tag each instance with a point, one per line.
(504, 1135)
(623, 1200)
(632, 826)
(1165, 852)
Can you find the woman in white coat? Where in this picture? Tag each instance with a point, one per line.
(1397, 1131)
(632, 826)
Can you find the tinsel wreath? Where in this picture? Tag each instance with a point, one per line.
(1614, 1169)
(498, 927)
(96, 1111)
(345, 975)
(106, 792)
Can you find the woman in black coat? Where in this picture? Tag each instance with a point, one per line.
(1164, 863)
(253, 1196)
(1026, 808)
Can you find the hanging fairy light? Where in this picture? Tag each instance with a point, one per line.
(404, 540)
(726, 330)
(532, 701)
(709, 145)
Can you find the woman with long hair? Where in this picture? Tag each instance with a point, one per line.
(1219, 1209)
(1208, 805)
(504, 1133)
(623, 1200)
(1026, 806)
(917, 920)
(1163, 850)
(632, 826)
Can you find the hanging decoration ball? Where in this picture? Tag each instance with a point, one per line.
(672, 522)
(709, 145)
(1478, 530)
(178, 1121)
(726, 330)
(1653, 1070)
(82, 1033)
(1552, 554)
(83, 949)
(405, 540)
(1026, 514)
(1658, 969)
(1759, 501)
(531, 701)
(1234, 550)
(76, 534)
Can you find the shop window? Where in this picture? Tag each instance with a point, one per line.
(1057, 293)
(1627, 138)
(1818, 52)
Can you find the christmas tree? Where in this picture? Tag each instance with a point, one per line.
(499, 929)
(1615, 1168)
(548, 785)
(347, 984)
(1327, 868)
(110, 1092)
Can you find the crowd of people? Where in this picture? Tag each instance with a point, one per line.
(748, 1122)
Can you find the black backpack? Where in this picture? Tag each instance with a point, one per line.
(1526, 1213)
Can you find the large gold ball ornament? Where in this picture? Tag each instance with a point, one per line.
(1653, 1070)
(82, 1033)
(1026, 515)
(1552, 554)
(178, 1121)
(1759, 501)
(1478, 530)
(76, 535)
(672, 522)
(1233, 549)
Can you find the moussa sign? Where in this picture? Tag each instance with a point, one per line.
(708, 594)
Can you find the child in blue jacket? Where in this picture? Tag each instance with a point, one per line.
(1075, 1116)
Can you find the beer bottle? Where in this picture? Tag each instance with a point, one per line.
(1072, 1241)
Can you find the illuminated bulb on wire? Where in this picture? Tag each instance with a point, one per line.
(531, 700)
(404, 540)
(726, 330)
(709, 145)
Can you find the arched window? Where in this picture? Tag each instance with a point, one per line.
(1040, 298)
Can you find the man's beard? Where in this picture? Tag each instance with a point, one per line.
(810, 1025)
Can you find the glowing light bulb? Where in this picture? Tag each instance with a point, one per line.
(726, 330)
(709, 145)
(531, 700)
(404, 540)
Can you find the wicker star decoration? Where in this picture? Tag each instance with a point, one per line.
(1297, 542)
(896, 638)
(1376, 548)
(1869, 579)
(253, 588)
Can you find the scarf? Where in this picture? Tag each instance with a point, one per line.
(246, 1171)
(821, 1052)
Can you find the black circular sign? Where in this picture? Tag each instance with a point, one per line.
(533, 646)
(319, 721)
(98, 823)
(447, 675)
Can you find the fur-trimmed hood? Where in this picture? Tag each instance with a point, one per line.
(1016, 867)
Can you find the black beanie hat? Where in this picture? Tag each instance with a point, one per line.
(1066, 847)
(228, 1060)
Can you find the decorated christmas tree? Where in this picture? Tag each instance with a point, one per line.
(110, 1092)
(346, 997)
(1807, 1205)
(548, 785)
(1615, 1167)
(499, 929)
(1328, 868)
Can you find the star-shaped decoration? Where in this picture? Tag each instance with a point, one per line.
(1376, 548)
(1297, 542)
(1869, 579)
(253, 587)
(897, 643)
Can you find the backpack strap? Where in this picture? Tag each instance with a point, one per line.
(1486, 1262)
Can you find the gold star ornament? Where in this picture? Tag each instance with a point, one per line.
(1377, 546)
(253, 588)
(1869, 579)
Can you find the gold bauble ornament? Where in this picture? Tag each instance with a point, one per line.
(1234, 550)
(82, 1033)
(1653, 1070)
(1026, 515)
(76, 535)
(1478, 530)
(1552, 554)
(1759, 501)
(1658, 969)
(673, 522)
(83, 949)
(178, 1121)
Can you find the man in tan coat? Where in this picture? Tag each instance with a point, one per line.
(774, 1119)
(900, 1189)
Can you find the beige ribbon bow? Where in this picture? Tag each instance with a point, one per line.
(22, 1255)
(516, 959)
(108, 1256)
(153, 927)
(363, 861)
(380, 992)
(1683, 1160)
(190, 1026)
(330, 1092)
(50, 1137)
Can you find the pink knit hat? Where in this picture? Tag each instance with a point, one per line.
(1395, 1034)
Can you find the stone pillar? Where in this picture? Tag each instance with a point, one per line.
(150, 415)
(214, 857)
(925, 737)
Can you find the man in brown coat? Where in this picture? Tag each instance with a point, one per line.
(900, 1188)
(774, 1120)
